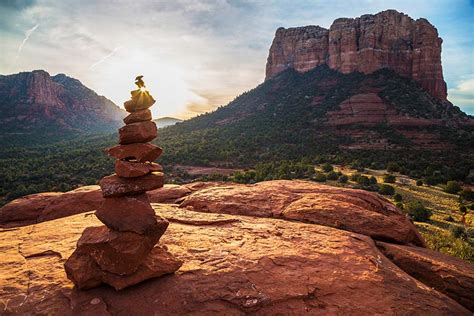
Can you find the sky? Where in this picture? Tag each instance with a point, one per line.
(196, 55)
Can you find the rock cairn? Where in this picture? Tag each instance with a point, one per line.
(123, 252)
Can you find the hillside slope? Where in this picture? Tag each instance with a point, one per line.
(322, 111)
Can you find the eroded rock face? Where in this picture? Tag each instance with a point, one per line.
(389, 39)
(449, 275)
(232, 265)
(354, 210)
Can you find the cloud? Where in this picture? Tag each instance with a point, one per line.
(463, 95)
(100, 61)
(27, 37)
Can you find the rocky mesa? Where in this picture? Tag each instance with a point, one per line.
(389, 39)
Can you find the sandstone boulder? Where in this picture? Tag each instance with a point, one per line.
(87, 274)
(139, 116)
(117, 252)
(116, 186)
(131, 169)
(232, 265)
(50, 205)
(140, 132)
(140, 152)
(354, 210)
(449, 275)
(130, 213)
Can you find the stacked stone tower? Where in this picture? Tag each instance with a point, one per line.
(123, 252)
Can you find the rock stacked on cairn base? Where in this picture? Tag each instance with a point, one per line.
(123, 253)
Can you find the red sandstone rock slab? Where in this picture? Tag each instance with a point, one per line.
(232, 265)
(140, 152)
(130, 213)
(131, 169)
(50, 205)
(168, 193)
(116, 186)
(140, 132)
(354, 210)
(139, 116)
(117, 252)
(449, 275)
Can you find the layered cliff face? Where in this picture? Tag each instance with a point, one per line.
(32, 100)
(388, 39)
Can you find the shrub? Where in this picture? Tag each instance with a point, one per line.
(417, 211)
(397, 197)
(466, 195)
(363, 181)
(449, 218)
(327, 167)
(393, 167)
(354, 177)
(386, 189)
(389, 178)
(373, 180)
(343, 179)
(458, 232)
(452, 187)
(419, 183)
(332, 175)
(399, 205)
(319, 177)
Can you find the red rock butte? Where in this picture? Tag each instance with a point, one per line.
(388, 39)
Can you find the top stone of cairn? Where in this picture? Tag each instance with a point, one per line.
(141, 98)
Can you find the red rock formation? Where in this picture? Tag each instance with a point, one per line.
(36, 99)
(388, 39)
(449, 275)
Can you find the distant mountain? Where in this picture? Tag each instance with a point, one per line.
(320, 100)
(32, 102)
(166, 121)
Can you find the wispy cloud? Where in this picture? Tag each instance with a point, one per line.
(27, 37)
(100, 61)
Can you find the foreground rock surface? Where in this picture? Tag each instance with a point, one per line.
(354, 210)
(233, 265)
(449, 275)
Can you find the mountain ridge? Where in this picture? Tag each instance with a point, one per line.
(32, 101)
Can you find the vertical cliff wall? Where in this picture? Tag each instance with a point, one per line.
(389, 39)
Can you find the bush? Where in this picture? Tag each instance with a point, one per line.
(452, 187)
(397, 197)
(327, 167)
(419, 183)
(319, 177)
(354, 177)
(458, 232)
(466, 195)
(389, 178)
(363, 181)
(332, 175)
(417, 211)
(386, 189)
(399, 205)
(449, 218)
(393, 167)
(373, 180)
(343, 179)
